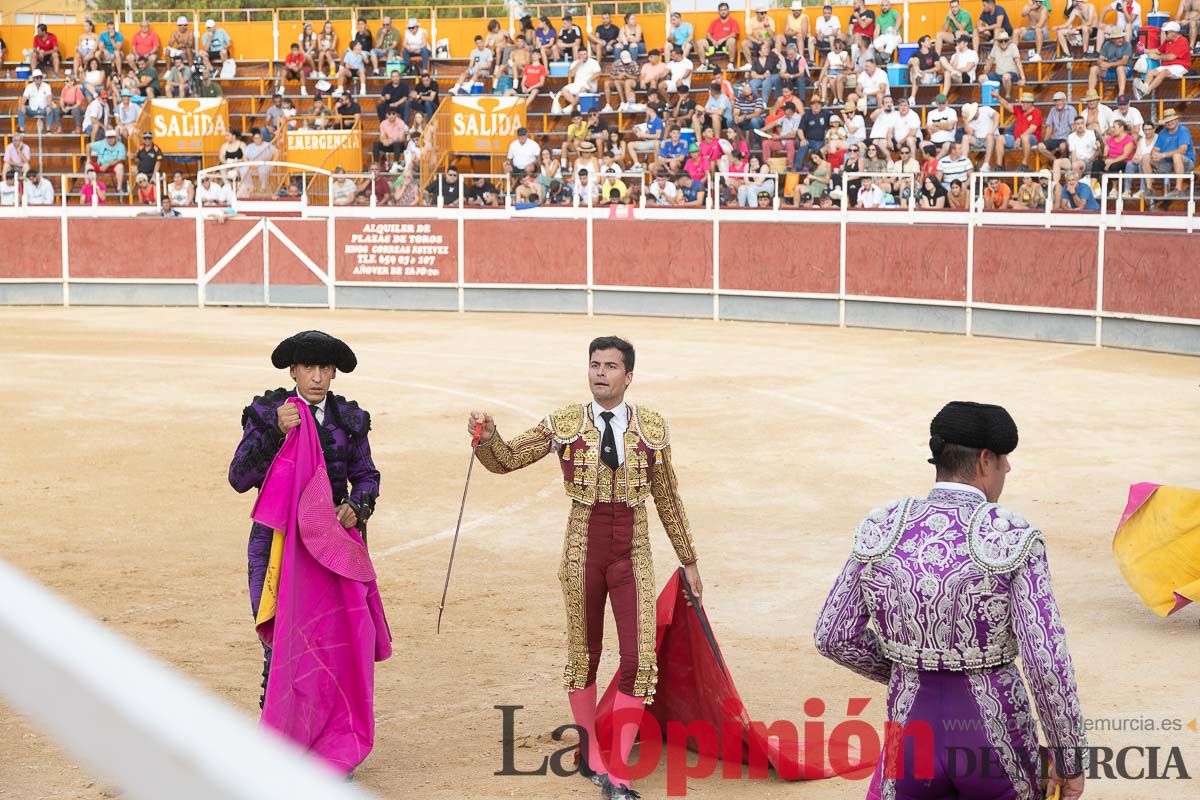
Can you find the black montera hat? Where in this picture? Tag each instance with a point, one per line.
(314, 347)
(977, 425)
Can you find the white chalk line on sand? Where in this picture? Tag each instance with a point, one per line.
(429, 387)
(828, 409)
(475, 522)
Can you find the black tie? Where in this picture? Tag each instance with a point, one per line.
(608, 444)
(314, 408)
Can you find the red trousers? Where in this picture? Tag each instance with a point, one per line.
(608, 572)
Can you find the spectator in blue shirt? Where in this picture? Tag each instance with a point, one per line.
(108, 155)
(673, 152)
(1173, 151)
(1075, 195)
(718, 108)
(112, 46)
(214, 44)
(681, 36)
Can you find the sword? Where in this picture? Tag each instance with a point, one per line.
(458, 525)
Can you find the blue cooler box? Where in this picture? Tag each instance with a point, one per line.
(23, 71)
(477, 87)
(989, 91)
(588, 102)
(559, 69)
(905, 51)
(688, 136)
(1157, 19)
(897, 74)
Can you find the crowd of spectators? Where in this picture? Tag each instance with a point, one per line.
(784, 112)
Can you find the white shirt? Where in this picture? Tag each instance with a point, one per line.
(525, 155)
(214, 195)
(954, 168)
(906, 125)
(9, 193)
(1083, 148)
(942, 115)
(884, 123)
(965, 61)
(984, 123)
(583, 191)
(870, 198)
(37, 97)
(856, 128)
(586, 74)
(664, 194)
(680, 71)
(954, 486)
(620, 424)
(416, 41)
(1133, 120)
(828, 27)
(872, 84)
(320, 412)
(40, 193)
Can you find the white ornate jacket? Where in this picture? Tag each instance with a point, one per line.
(954, 583)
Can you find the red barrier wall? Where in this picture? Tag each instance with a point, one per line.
(550, 251)
(661, 253)
(1035, 267)
(1152, 273)
(768, 257)
(221, 237)
(309, 237)
(32, 248)
(132, 248)
(928, 262)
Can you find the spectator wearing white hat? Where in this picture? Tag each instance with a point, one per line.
(127, 114)
(215, 44)
(37, 100)
(1174, 55)
(1056, 128)
(107, 156)
(416, 45)
(182, 42)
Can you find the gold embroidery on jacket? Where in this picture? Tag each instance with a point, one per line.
(571, 576)
(646, 681)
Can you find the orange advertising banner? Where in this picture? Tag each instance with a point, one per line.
(484, 123)
(189, 125)
(326, 149)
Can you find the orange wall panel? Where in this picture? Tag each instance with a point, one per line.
(1035, 267)
(1155, 273)
(760, 256)
(918, 261)
(662, 253)
(550, 251)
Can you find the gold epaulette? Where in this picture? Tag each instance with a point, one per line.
(566, 423)
(652, 427)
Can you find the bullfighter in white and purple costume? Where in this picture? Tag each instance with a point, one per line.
(939, 598)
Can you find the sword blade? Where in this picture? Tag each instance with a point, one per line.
(458, 525)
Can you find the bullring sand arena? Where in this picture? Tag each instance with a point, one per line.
(120, 424)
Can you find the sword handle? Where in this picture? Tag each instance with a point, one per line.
(478, 433)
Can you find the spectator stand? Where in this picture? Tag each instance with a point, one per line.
(290, 187)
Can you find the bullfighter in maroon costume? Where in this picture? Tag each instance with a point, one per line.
(607, 547)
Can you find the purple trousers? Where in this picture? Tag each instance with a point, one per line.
(968, 735)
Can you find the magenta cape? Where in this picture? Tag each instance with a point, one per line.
(694, 686)
(329, 627)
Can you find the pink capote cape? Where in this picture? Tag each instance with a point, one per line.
(329, 627)
(694, 685)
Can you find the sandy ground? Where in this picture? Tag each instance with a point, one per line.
(783, 437)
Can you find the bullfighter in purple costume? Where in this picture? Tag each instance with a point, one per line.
(313, 359)
(957, 587)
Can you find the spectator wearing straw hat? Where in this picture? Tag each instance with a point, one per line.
(1173, 152)
(1115, 61)
(1097, 116)
(1027, 126)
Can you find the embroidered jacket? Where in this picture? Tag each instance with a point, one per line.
(952, 582)
(571, 433)
(343, 442)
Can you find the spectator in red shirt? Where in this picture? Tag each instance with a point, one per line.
(1174, 56)
(45, 50)
(1027, 124)
(146, 43)
(722, 33)
(295, 68)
